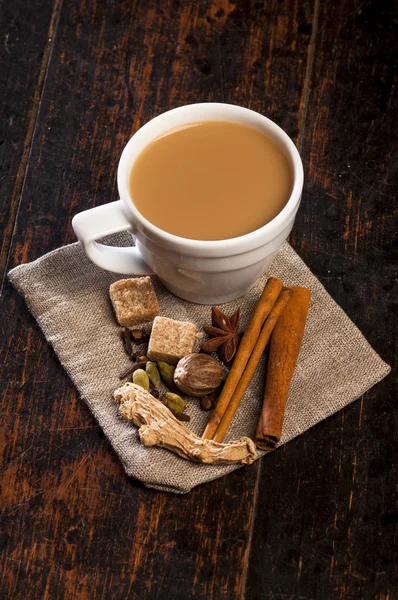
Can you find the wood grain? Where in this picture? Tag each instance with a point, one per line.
(327, 509)
(28, 32)
(73, 526)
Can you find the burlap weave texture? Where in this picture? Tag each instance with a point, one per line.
(68, 296)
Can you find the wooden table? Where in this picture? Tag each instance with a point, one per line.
(317, 518)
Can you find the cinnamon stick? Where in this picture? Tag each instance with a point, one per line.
(285, 347)
(251, 366)
(266, 302)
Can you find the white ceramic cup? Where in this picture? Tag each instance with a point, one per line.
(205, 272)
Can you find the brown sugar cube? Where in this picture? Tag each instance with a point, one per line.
(134, 301)
(171, 340)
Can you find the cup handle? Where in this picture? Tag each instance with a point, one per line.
(95, 223)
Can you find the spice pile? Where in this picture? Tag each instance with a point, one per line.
(165, 368)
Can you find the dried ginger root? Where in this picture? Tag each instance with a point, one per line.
(158, 427)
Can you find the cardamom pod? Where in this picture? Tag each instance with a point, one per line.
(141, 378)
(153, 373)
(174, 402)
(167, 373)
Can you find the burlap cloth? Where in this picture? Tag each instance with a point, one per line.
(68, 296)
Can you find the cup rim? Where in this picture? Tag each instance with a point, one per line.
(229, 246)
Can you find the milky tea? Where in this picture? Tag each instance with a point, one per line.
(211, 180)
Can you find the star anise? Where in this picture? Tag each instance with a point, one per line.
(223, 334)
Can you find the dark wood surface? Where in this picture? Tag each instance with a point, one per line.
(27, 38)
(316, 519)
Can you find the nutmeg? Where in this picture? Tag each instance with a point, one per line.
(198, 374)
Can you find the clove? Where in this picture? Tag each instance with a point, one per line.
(131, 369)
(126, 338)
